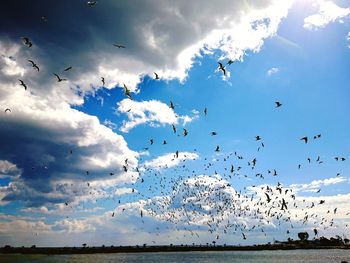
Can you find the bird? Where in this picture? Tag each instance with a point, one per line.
(33, 64)
(23, 84)
(174, 128)
(151, 141)
(44, 19)
(91, 3)
(157, 77)
(284, 204)
(103, 81)
(213, 133)
(58, 78)
(217, 149)
(278, 104)
(7, 110)
(27, 42)
(205, 111)
(257, 138)
(119, 46)
(171, 105)
(185, 133)
(222, 67)
(305, 139)
(268, 198)
(229, 62)
(164, 142)
(69, 68)
(317, 136)
(127, 92)
(244, 237)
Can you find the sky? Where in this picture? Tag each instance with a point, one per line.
(178, 160)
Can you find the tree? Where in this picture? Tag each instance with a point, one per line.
(303, 236)
(346, 241)
(214, 242)
(84, 245)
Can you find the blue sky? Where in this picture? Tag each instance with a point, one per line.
(56, 132)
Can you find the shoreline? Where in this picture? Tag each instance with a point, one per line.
(149, 249)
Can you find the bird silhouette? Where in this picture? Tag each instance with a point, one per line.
(222, 67)
(205, 112)
(91, 3)
(305, 139)
(157, 77)
(278, 104)
(27, 42)
(34, 65)
(185, 133)
(7, 110)
(127, 92)
(119, 46)
(23, 84)
(171, 105)
(103, 81)
(68, 68)
(59, 79)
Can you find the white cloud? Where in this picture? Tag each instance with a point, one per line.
(170, 160)
(58, 145)
(328, 12)
(124, 190)
(348, 39)
(272, 71)
(154, 112)
(317, 184)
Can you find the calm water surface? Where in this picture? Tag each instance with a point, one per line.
(304, 256)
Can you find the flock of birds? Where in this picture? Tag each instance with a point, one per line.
(195, 201)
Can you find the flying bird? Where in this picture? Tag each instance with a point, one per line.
(278, 104)
(103, 81)
(119, 46)
(59, 79)
(222, 67)
(157, 77)
(69, 68)
(257, 138)
(317, 136)
(229, 62)
(7, 110)
(305, 139)
(33, 64)
(171, 105)
(91, 3)
(174, 128)
(44, 19)
(23, 84)
(27, 42)
(127, 92)
(185, 132)
(205, 111)
(213, 133)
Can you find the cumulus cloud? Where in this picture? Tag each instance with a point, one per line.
(54, 145)
(154, 112)
(170, 160)
(327, 12)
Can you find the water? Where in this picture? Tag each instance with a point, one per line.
(304, 256)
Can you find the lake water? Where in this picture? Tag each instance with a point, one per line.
(305, 256)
